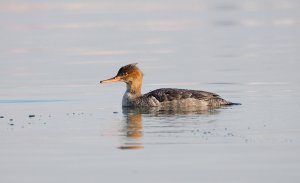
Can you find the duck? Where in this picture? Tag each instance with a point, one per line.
(132, 76)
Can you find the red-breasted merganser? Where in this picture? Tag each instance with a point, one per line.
(173, 97)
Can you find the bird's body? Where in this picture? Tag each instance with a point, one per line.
(174, 97)
(164, 97)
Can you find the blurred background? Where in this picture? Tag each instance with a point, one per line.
(62, 49)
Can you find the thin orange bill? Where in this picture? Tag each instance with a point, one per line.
(111, 80)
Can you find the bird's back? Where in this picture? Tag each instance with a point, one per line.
(184, 97)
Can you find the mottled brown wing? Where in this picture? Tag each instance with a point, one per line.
(170, 94)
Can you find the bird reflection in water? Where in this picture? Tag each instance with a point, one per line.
(133, 131)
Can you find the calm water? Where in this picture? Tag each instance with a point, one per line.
(54, 53)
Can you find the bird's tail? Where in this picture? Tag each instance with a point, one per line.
(233, 103)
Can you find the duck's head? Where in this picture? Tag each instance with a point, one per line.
(129, 74)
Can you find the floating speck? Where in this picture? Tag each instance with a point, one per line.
(11, 124)
(115, 112)
(1, 116)
(11, 119)
(31, 115)
(230, 134)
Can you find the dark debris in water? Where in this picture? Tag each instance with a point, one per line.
(1, 116)
(115, 112)
(206, 132)
(31, 115)
(11, 119)
(230, 134)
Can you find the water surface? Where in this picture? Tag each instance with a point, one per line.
(54, 53)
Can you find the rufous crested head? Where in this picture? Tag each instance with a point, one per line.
(127, 74)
